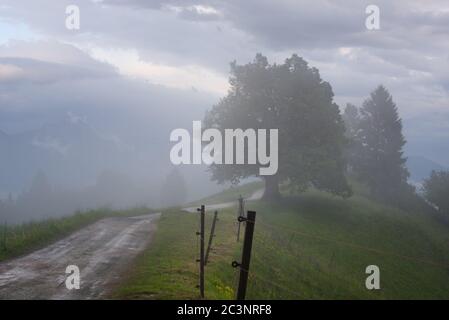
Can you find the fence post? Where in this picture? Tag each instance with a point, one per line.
(201, 234)
(211, 236)
(239, 214)
(246, 254)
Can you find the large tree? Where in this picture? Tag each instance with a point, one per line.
(380, 161)
(292, 98)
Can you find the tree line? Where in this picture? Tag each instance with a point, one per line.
(319, 146)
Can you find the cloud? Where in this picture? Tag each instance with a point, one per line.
(52, 144)
(196, 12)
(160, 35)
(188, 44)
(10, 72)
(45, 62)
(130, 64)
(76, 119)
(35, 92)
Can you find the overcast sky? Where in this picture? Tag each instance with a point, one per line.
(186, 46)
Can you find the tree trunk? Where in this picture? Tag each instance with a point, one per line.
(271, 188)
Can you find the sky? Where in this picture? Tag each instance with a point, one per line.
(127, 52)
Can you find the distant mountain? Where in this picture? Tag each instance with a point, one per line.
(73, 154)
(70, 153)
(421, 167)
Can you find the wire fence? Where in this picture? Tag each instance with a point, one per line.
(256, 277)
(295, 232)
(287, 235)
(356, 246)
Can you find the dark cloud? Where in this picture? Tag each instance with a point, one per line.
(322, 23)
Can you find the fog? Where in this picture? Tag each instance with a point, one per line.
(86, 114)
(104, 144)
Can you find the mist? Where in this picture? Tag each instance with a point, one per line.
(86, 115)
(224, 149)
(103, 145)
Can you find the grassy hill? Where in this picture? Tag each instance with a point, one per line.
(310, 246)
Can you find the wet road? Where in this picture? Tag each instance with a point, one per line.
(102, 251)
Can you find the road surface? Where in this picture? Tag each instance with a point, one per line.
(102, 251)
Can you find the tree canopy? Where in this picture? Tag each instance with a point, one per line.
(380, 162)
(292, 98)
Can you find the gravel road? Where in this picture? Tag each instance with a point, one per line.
(102, 251)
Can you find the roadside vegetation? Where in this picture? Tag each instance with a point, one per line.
(309, 246)
(20, 239)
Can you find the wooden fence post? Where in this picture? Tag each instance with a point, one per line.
(211, 236)
(201, 234)
(246, 254)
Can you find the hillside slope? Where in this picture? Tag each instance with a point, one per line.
(313, 246)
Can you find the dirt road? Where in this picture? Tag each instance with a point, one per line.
(257, 195)
(102, 251)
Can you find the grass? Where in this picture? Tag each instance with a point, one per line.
(168, 268)
(313, 246)
(20, 239)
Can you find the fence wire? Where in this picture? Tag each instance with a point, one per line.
(353, 245)
(294, 232)
(252, 275)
